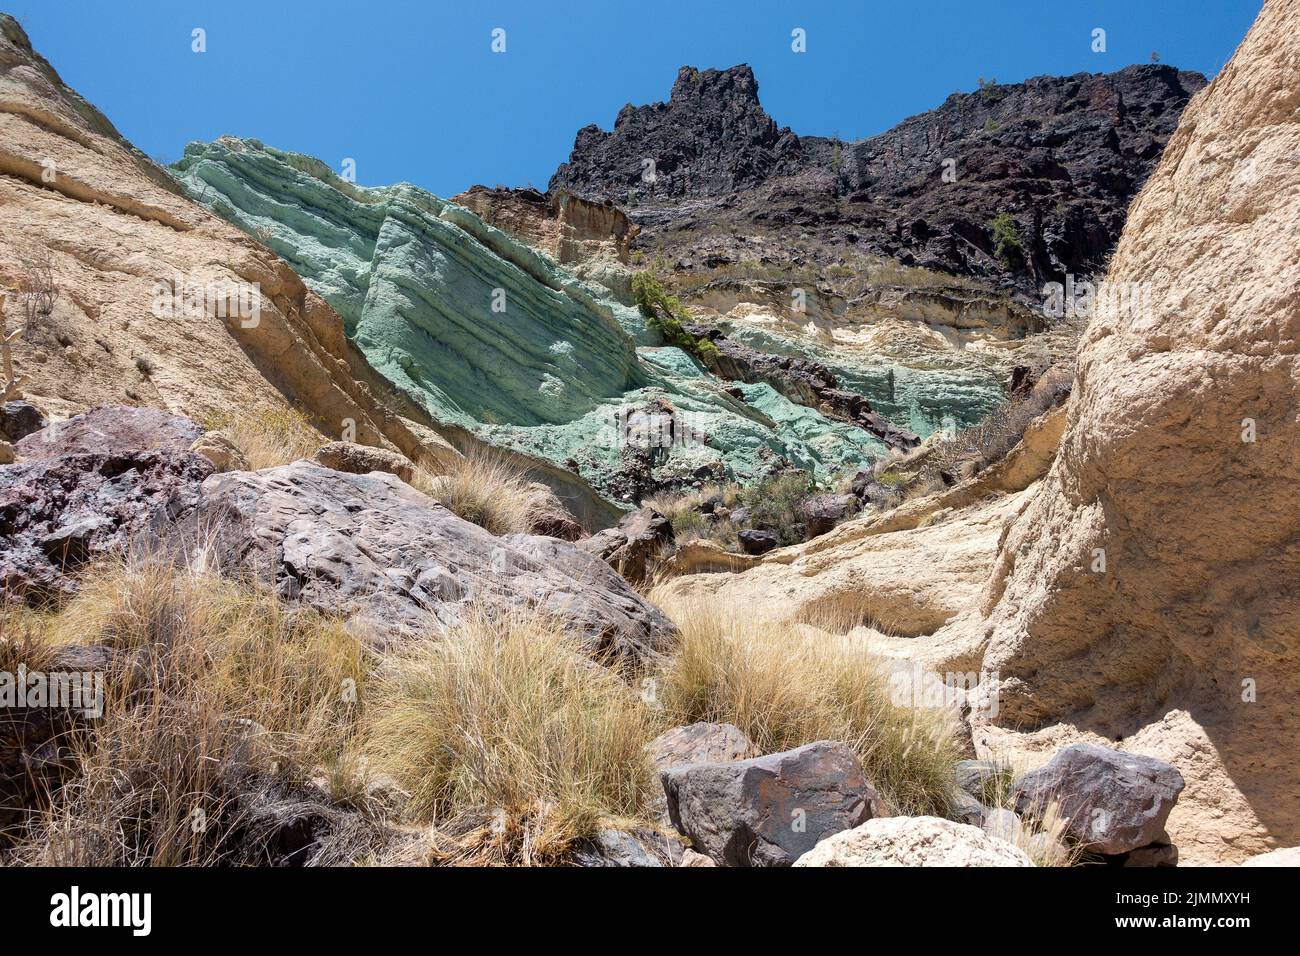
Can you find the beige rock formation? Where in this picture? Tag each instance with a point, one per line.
(1147, 593)
(591, 239)
(1142, 593)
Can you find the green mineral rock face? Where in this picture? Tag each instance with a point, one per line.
(485, 332)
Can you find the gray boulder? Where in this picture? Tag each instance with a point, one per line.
(398, 563)
(1114, 801)
(768, 811)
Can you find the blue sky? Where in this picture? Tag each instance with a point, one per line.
(412, 91)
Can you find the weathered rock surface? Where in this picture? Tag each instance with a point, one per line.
(623, 848)
(757, 540)
(913, 841)
(58, 513)
(361, 459)
(397, 562)
(1184, 647)
(589, 238)
(821, 513)
(700, 742)
(769, 810)
(1114, 802)
(631, 547)
(549, 517)
(111, 430)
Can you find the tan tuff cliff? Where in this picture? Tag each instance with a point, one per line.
(1148, 592)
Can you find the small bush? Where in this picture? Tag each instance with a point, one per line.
(774, 503)
(666, 315)
(1006, 239)
(504, 716)
(269, 436)
(486, 489)
(786, 687)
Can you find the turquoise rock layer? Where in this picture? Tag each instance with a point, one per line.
(485, 332)
(922, 400)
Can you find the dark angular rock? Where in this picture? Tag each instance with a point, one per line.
(58, 513)
(821, 513)
(755, 541)
(768, 811)
(1115, 802)
(18, 419)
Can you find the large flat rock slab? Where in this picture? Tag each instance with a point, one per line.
(399, 563)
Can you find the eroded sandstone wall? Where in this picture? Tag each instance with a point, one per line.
(1148, 592)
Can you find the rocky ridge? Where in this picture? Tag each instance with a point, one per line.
(1061, 155)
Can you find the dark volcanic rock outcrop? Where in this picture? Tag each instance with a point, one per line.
(1062, 156)
(57, 514)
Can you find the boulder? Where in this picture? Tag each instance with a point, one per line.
(58, 513)
(913, 841)
(1114, 802)
(700, 742)
(6, 453)
(18, 419)
(111, 430)
(217, 448)
(821, 513)
(399, 563)
(631, 547)
(967, 809)
(768, 811)
(757, 541)
(549, 517)
(362, 459)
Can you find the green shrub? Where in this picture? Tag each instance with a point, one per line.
(774, 503)
(666, 314)
(1006, 238)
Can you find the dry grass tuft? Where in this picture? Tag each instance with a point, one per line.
(503, 718)
(218, 703)
(486, 489)
(785, 686)
(269, 436)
